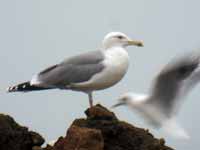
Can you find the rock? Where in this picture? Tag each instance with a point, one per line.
(81, 138)
(101, 130)
(37, 148)
(100, 113)
(37, 139)
(16, 137)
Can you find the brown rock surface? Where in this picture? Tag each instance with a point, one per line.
(101, 130)
(15, 137)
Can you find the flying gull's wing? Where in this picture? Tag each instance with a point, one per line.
(169, 83)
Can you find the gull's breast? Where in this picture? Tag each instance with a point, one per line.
(116, 63)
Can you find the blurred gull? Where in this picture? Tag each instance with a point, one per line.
(170, 87)
(86, 72)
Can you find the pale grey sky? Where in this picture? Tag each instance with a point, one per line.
(35, 34)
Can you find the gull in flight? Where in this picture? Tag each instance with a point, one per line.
(87, 72)
(170, 87)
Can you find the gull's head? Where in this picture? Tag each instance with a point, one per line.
(113, 39)
(130, 98)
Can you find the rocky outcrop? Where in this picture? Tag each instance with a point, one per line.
(16, 137)
(102, 130)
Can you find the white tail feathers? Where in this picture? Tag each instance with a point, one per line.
(172, 128)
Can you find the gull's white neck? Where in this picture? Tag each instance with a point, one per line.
(117, 55)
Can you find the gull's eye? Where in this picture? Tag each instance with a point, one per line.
(120, 37)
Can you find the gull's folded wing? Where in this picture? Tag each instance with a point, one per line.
(73, 70)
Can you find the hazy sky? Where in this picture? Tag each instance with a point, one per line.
(35, 34)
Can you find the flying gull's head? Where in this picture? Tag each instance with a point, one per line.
(129, 98)
(119, 39)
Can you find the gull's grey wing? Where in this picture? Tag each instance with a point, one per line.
(76, 69)
(169, 83)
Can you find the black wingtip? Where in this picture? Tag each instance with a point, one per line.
(11, 89)
(25, 87)
(20, 87)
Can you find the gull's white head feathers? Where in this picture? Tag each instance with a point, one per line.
(170, 87)
(132, 99)
(113, 39)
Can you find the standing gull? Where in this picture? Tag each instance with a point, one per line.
(86, 72)
(170, 87)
